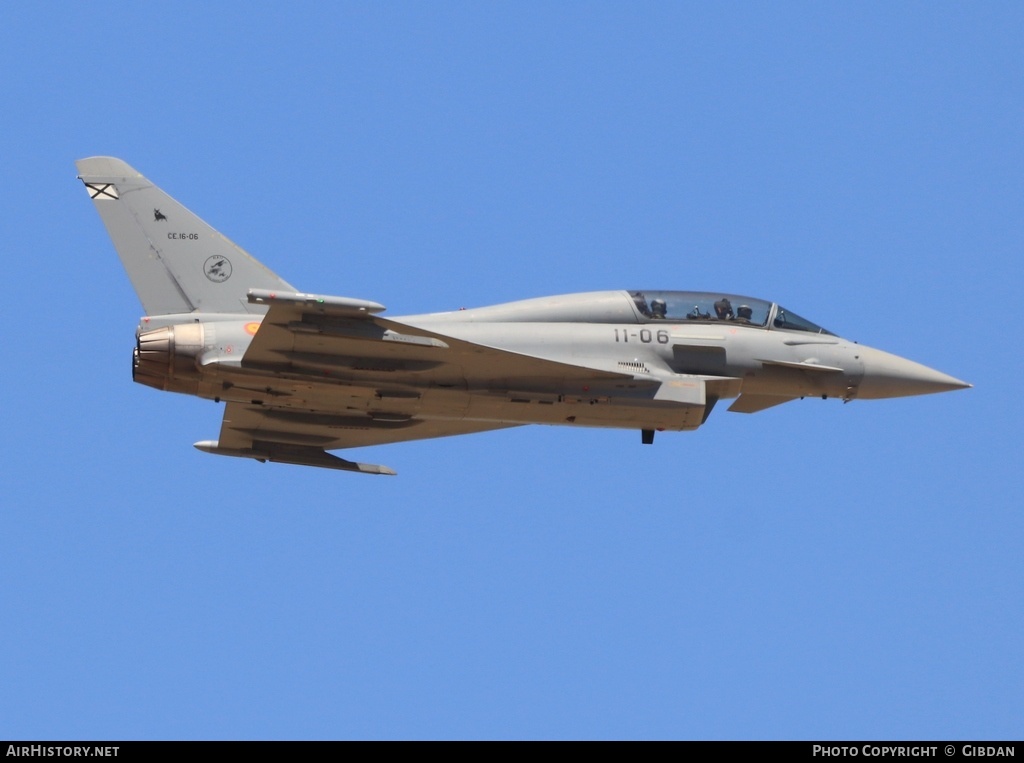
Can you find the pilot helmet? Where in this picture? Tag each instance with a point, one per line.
(658, 307)
(744, 311)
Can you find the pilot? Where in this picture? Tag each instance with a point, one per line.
(658, 309)
(744, 314)
(723, 309)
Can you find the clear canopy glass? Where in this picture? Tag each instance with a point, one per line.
(715, 306)
(784, 319)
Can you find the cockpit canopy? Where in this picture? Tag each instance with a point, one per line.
(715, 306)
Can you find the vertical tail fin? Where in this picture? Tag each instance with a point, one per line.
(176, 262)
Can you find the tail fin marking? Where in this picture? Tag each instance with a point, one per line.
(176, 262)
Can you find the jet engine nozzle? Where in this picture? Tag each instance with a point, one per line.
(167, 354)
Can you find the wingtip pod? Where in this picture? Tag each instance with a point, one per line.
(320, 302)
(292, 454)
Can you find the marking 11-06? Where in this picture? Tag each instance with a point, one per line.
(644, 335)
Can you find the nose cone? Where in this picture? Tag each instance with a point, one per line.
(887, 375)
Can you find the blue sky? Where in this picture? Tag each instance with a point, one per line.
(816, 570)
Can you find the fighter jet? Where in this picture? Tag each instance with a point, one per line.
(303, 374)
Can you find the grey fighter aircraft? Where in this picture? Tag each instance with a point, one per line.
(304, 374)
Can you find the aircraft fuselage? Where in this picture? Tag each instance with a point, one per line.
(672, 372)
